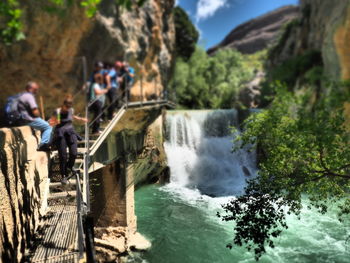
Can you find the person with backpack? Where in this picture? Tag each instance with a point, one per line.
(97, 98)
(128, 74)
(22, 109)
(112, 86)
(65, 136)
(99, 68)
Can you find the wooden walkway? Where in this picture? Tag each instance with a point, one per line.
(58, 241)
(57, 238)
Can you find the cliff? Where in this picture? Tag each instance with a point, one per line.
(259, 33)
(322, 26)
(23, 180)
(133, 155)
(51, 53)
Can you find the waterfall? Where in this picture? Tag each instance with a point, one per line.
(180, 217)
(199, 150)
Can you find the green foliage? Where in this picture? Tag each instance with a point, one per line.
(11, 12)
(292, 69)
(90, 6)
(286, 32)
(304, 151)
(212, 82)
(10, 25)
(314, 76)
(307, 69)
(186, 34)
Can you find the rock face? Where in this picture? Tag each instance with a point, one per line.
(259, 33)
(136, 154)
(249, 96)
(144, 37)
(54, 45)
(23, 181)
(323, 26)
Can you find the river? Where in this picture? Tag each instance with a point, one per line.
(180, 218)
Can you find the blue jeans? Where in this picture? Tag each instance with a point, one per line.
(44, 127)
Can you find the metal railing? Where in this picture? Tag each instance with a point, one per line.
(80, 213)
(83, 193)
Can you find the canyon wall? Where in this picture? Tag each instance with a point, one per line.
(54, 46)
(323, 26)
(23, 184)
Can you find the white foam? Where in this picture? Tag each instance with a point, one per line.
(200, 156)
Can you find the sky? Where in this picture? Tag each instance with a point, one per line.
(216, 18)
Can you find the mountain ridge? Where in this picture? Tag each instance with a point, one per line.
(258, 33)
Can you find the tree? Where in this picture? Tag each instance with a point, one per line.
(210, 82)
(304, 150)
(11, 13)
(186, 34)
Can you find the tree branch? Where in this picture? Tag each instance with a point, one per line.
(312, 180)
(343, 167)
(328, 171)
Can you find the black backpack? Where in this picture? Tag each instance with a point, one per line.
(12, 113)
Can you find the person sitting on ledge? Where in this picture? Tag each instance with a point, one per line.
(29, 111)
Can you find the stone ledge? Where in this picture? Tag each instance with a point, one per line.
(23, 179)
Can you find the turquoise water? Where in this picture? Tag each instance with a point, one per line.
(186, 230)
(180, 218)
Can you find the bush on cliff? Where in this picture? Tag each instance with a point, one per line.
(212, 82)
(305, 152)
(186, 34)
(302, 70)
(11, 11)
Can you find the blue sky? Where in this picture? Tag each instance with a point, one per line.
(216, 18)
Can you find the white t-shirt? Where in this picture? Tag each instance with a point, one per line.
(102, 98)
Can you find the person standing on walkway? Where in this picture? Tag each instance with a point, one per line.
(29, 111)
(128, 75)
(65, 136)
(97, 98)
(98, 69)
(112, 86)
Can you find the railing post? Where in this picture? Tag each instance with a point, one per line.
(158, 91)
(165, 94)
(89, 240)
(79, 218)
(86, 191)
(126, 91)
(141, 89)
(84, 70)
(155, 88)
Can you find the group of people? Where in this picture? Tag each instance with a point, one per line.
(57, 131)
(106, 80)
(113, 82)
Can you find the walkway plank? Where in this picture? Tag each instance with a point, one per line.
(58, 241)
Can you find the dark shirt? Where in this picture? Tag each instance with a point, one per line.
(65, 118)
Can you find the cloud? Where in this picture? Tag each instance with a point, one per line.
(207, 8)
